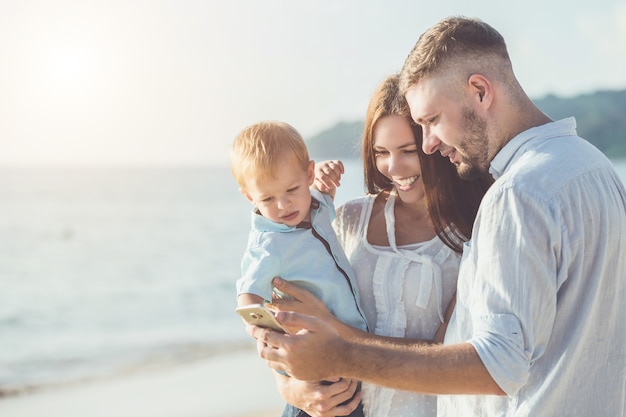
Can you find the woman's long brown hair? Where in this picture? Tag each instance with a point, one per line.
(452, 203)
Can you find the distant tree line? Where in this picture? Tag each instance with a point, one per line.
(600, 119)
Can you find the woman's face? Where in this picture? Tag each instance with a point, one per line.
(397, 156)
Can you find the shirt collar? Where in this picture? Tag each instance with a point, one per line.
(508, 154)
(264, 224)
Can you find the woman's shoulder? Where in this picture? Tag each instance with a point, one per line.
(368, 199)
(359, 201)
(350, 212)
(356, 205)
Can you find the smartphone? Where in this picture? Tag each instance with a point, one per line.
(260, 315)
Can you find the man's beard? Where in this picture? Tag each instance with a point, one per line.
(475, 160)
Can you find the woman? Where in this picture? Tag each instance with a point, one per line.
(403, 240)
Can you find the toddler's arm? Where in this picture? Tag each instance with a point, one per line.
(245, 299)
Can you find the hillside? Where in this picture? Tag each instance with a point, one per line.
(600, 117)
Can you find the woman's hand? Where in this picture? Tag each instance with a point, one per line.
(319, 399)
(441, 332)
(327, 176)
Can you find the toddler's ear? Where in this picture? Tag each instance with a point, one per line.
(311, 172)
(245, 194)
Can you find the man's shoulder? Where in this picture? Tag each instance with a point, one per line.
(544, 167)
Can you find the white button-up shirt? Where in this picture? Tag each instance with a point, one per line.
(542, 284)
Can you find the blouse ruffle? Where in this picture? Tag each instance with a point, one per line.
(404, 291)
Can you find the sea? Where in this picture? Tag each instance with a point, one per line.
(111, 270)
(106, 271)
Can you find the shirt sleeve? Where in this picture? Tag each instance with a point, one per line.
(513, 294)
(325, 200)
(258, 268)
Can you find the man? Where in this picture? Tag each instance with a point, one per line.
(540, 303)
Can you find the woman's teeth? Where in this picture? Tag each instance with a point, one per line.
(405, 182)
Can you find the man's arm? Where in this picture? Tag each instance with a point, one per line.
(303, 302)
(317, 352)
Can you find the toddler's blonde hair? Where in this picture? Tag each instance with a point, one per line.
(260, 148)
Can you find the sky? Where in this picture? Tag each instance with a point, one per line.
(171, 82)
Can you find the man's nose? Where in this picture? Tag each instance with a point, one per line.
(430, 143)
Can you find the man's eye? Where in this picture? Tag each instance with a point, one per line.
(431, 120)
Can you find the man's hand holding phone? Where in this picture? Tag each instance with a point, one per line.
(259, 315)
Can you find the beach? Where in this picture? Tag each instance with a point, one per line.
(236, 384)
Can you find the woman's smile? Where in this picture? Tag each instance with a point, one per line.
(404, 184)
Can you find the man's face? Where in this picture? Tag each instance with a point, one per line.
(450, 125)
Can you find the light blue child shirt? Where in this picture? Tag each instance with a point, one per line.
(299, 255)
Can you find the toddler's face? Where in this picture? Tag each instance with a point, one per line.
(286, 198)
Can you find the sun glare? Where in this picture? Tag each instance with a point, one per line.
(67, 64)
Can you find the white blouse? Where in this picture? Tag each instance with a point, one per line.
(404, 292)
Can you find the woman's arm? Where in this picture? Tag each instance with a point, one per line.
(319, 399)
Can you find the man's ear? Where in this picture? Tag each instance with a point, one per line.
(480, 89)
(245, 194)
(311, 172)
